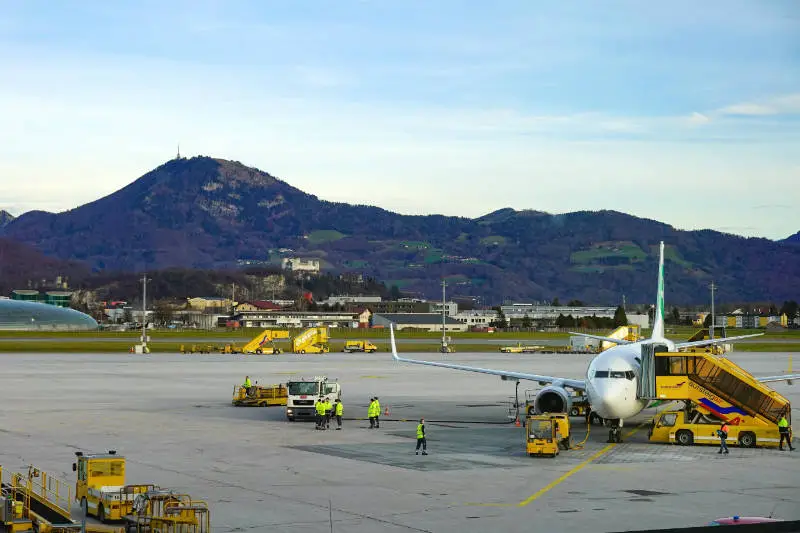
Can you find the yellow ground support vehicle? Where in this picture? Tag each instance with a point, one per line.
(101, 488)
(264, 342)
(312, 340)
(545, 434)
(695, 427)
(359, 346)
(258, 396)
(519, 348)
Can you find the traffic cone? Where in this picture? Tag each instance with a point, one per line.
(386, 411)
(516, 422)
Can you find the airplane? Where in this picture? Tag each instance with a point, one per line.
(611, 378)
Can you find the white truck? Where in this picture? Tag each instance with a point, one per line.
(303, 394)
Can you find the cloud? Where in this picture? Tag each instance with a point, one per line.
(788, 104)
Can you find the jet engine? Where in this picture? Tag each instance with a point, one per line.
(552, 399)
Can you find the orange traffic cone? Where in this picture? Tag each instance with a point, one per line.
(516, 422)
(386, 411)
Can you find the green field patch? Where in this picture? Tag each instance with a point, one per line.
(615, 251)
(322, 236)
(672, 254)
(413, 245)
(434, 255)
(493, 240)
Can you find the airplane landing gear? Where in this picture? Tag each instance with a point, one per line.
(615, 433)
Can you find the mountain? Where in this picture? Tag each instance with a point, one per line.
(5, 218)
(212, 213)
(20, 263)
(794, 239)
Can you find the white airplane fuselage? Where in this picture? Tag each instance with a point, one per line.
(612, 379)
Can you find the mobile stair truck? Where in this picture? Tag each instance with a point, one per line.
(713, 389)
(312, 340)
(36, 502)
(264, 342)
(303, 394)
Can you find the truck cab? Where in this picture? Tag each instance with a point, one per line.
(303, 395)
(100, 486)
(686, 427)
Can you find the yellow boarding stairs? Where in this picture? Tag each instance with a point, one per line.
(312, 340)
(35, 502)
(263, 342)
(631, 332)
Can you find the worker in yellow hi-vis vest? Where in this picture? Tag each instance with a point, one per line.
(377, 413)
(371, 413)
(339, 410)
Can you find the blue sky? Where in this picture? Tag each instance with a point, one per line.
(454, 107)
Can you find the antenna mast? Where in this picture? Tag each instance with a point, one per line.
(179, 150)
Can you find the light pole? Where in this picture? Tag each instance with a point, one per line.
(711, 325)
(145, 279)
(444, 339)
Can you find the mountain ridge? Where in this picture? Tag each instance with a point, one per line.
(210, 213)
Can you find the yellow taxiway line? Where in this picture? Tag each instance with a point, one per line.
(533, 497)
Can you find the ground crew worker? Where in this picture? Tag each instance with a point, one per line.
(319, 407)
(247, 384)
(339, 412)
(328, 412)
(377, 413)
(421, 441)
(722, 433)
(785, 432)
(371, 413)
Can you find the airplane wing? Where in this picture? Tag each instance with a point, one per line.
(577, 384)
(706, 342)
(600, 338)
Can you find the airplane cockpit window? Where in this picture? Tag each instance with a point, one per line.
(629, 375)
(601, 374)
(617, 374)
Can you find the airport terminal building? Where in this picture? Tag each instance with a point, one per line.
(34, 316)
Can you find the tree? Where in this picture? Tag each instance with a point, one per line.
(555, 302)
(394, 293)
(162, 313)
(575, 303)
(620, 319)
(127, 315)
(676, 316)
(526, 321)
(501, 321)
(651, 313)
(789, 309)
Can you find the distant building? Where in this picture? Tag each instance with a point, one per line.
(205, 303)
(400, 306)
(425, 321)
(477, 317)
(296, 264)
(58, 298)
(33, 316)
(346, 299)
(257, 305)
(302, 319)
(450, 308)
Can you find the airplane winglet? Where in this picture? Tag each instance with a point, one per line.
(394, 346)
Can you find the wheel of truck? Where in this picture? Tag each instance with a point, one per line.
(291, 418)
(302, 351)
(84, 507)
(101, 513)
(747, 440)
(259, 351)
(574, 411)
(684, 437)
(531, 410)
